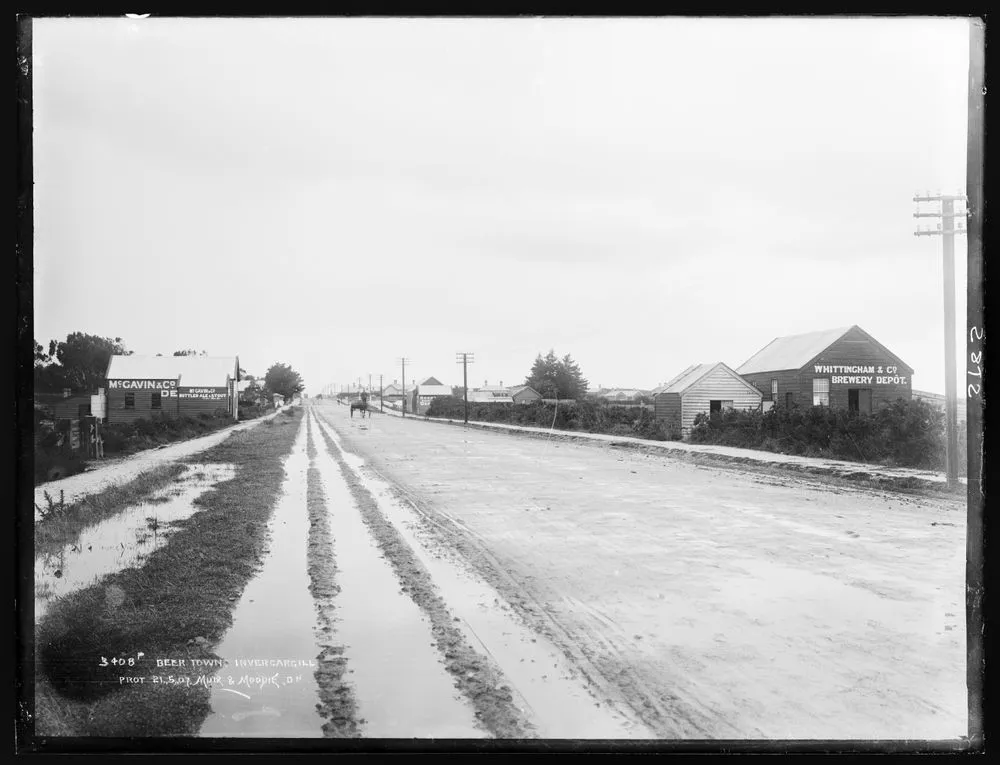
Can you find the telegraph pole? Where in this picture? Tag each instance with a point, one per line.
(465, 358)
(946, 229)
(403, 361)
(381, 398)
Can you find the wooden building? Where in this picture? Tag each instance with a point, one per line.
(394, 391)
(844, 368)
(702, 388)
(487, 397)
(65, 405)
(424, 393)
(937, 400)
(524, 394)
(144, 387)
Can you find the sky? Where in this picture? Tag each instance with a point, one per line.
(643, 194)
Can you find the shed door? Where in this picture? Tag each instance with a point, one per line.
(865, 400)
(859, 400)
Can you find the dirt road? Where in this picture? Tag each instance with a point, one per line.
(689, 602)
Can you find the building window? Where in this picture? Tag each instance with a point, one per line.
(130, 401)
(156, 402)
(727, 405)
(821, 391)
(774, 389)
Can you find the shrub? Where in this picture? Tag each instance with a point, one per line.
(903, 433)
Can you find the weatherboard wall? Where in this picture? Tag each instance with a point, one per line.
(717, 385)
(667, 408)
(889, 379)
(175, 401)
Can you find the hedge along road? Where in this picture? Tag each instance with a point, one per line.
(119, 471)
(704, 602)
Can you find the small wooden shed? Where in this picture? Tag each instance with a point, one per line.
(701, 388)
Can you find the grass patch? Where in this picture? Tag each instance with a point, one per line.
(61, 524)
(186, 590)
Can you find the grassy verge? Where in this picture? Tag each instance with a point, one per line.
(174, 607)
(61, 524)
(337, 702)
(475, 676)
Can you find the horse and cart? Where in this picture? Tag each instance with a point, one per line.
(362, 404)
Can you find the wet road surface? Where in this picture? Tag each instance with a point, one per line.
(712, 602)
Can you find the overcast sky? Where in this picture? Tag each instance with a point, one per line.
(644, 194)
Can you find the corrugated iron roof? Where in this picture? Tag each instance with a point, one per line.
(503, 390)
(520, 389)
(197, 371)
(693, 374)
(688, 377)
(433, 390)
(792, 352)
(480, 396)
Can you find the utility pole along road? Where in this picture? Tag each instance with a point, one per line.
(714, 602)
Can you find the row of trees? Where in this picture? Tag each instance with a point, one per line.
(81, 361)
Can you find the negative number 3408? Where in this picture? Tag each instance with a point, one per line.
(975, 358)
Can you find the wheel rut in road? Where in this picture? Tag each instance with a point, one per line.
(520, 683)
(401, 686)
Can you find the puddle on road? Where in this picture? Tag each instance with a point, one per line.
(271, 649)
(124, 540)
(402, 687)
(559, 705)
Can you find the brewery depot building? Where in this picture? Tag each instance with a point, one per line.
(143, 387)
(844, 368)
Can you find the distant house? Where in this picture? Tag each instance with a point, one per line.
(524, 394)
(497, 390)
(64, 406)
(488, 397)
(395, 392)
(938, 400)
(622, 395)
(424, 393)
(702, 388)
(843, 368)
(164, 386)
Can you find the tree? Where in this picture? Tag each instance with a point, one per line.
(283, 380)
(553, 377)
(41, 357)
(190, 352)
(79, 363)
